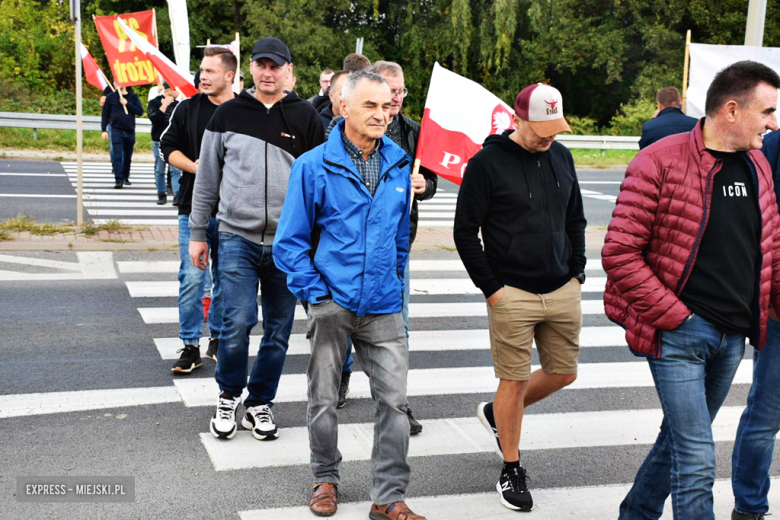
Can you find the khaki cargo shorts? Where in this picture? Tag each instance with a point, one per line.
(553, 320)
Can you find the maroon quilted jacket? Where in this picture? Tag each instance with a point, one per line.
(656, 228)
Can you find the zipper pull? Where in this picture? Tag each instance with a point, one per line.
(538, 163)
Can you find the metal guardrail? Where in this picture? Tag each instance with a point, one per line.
(58, 122)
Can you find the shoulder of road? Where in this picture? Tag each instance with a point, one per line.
(166, 238)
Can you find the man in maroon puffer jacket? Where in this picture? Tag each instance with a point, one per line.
(692, 258)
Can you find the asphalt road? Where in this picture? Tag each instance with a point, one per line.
(46, 191)
(90, 336)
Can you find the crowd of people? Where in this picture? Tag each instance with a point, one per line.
(316, 201)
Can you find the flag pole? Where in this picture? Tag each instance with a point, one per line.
(685, 70)
(76, 17)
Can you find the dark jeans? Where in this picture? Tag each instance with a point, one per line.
(242, 266)
(758, 428)
(122, 144)
(692, 379)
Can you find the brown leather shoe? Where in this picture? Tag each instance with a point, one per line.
(394, 511)
(324, 499)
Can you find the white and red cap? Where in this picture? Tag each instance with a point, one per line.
(542, 106)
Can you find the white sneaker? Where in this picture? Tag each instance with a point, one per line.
(223, 423)
(260, 420)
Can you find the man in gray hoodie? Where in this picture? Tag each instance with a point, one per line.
(246, 154)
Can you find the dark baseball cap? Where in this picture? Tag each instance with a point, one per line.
(272, 48)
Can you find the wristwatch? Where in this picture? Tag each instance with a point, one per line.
(581, 278)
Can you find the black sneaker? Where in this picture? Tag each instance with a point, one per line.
(343, 389)
(512, 487)
(485, 414)
(118, 186)
(414, 426)
(189, 360)
(736, 515)
(128, 183)
(260, 420)
(162, 198)
(211, 352)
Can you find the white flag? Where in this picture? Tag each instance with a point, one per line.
(180, 31)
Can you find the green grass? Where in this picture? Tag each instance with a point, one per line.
(62, 140)
(21, 223)
(586, 157)
(90, 229)
(6, 235)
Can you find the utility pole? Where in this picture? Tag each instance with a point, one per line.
(75, 18)
(754, 32)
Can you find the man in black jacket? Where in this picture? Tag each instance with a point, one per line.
(668, 119)
(159, 111)
(122, 130)
(521, 192)
(180, 145)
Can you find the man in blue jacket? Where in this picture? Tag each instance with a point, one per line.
(760, 422)
(354, 193)
(668, 119)
(120, 112)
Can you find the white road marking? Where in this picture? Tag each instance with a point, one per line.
(91, 266)
(9, 174)
(587, 502)
(34, 196)
(461, 436)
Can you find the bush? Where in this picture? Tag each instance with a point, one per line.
(629, 120)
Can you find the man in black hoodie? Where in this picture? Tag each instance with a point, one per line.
(180, 144)
(120, 112)
(159, 111)
(245, 159)
(521, 191)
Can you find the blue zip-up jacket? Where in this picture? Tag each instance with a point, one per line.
(771, 150)
(113, 114)
(363, 240)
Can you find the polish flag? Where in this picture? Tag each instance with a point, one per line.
(459, 115)
(173, 75)
(92, 72)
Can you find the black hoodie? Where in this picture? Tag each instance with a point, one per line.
(529, 209)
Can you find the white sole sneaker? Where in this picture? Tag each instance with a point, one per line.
(257, 434)
(484, 420)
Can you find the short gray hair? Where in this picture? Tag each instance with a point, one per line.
(390, 68)
(354, 78)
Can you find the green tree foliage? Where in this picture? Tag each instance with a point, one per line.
(608, 57)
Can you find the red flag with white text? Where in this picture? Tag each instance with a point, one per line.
(459, 115)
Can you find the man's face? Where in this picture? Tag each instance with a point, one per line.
(397, 93)
(529, 139)
(214, 80)
(269, 77)
(325, 80)
(755, 119)
(368, 112)
(335, 94)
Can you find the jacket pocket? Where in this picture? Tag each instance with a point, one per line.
(246, 209)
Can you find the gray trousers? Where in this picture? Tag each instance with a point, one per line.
(380, 346)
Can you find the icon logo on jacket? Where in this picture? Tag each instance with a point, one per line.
(288, 136)
(738, 190)
(399, 190)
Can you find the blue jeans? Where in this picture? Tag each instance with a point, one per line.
(192, 282)
(122, 144)
(110, 144)
(758, 427)
(244, 264)
(159, 171)
(692, 379)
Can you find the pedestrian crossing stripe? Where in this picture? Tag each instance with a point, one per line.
(416, 310)
(445, 381)
(556, 431)
(418, 287)
(571, 503)
(172, 266)
(419, 341)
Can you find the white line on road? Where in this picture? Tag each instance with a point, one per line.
(173, 212)
(91, 266)
(9, 174)
(462, 435)
(40, 262)
(34, 196)
(591, 502)
(446, 381)
(19, 405)
(419, 287)
(419, 341)
(139, 222)
(416, 310)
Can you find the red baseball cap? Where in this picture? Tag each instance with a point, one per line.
(542, 106)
